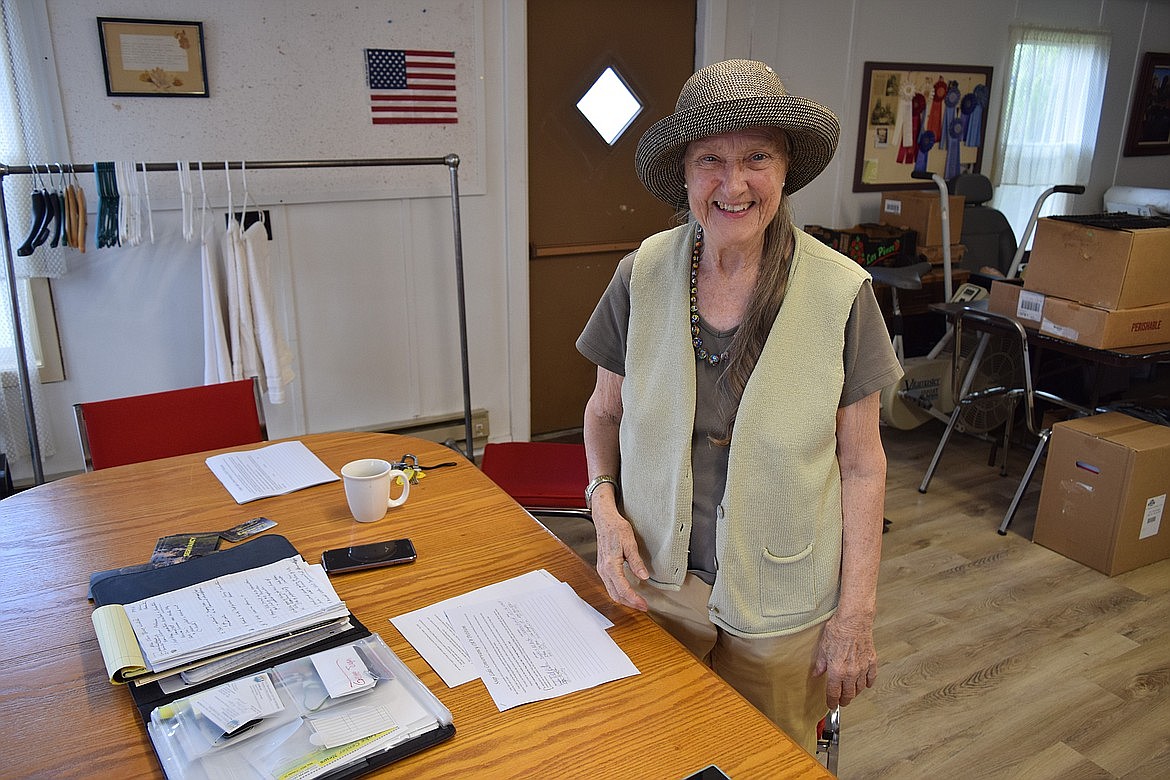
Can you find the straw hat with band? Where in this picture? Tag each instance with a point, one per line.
(729, 96)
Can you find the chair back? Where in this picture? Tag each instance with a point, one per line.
(1014, 338)
(987, 234)
(540, 476)
(173, 422)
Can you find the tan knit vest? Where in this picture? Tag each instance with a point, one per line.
(778, 536)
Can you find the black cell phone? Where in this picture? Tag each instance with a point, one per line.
(368, 556)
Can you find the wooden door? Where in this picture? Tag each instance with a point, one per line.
(586, 207)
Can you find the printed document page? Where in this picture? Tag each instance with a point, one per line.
(430, 631)
(538, 645)
(269, 471)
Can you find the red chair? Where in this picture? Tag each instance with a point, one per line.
(174, 422)
(546, 478)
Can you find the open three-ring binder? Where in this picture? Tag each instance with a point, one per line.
(338, 706)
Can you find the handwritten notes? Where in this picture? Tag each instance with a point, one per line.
(342, 671)
(231, 611)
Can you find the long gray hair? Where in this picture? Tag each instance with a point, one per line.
(768, 295)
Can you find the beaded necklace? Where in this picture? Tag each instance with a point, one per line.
(701, 352)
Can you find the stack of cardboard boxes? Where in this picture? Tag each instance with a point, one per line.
(1102, 283)
(1097, 286)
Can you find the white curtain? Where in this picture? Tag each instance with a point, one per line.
(27, 134)
(1051, 109)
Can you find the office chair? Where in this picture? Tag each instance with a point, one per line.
(987, 234)
(976, 388)
(546, 478)
(173, 422)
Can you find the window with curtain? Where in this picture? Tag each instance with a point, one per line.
(1048, 127)
(30, 116)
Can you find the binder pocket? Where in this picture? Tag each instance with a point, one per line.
(336, 707)
(787, 582)
(338, 677)
(222, 718)
(347, 693)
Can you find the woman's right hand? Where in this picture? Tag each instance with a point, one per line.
(616, 548)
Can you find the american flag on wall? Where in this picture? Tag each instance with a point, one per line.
(411, 86)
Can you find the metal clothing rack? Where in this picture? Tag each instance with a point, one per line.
(450, 160)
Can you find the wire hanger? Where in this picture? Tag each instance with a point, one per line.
(203, 206)
(255, 205)
(188, 204)
(146, 198)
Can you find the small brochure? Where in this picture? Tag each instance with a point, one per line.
(269, 471)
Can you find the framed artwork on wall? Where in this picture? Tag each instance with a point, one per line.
(1148, 130)
(919, 117)
(153, 57)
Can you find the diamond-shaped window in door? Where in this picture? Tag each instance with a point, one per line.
(610, 105)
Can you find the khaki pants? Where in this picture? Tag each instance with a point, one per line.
(773, 673)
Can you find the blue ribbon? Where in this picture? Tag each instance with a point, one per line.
(955, 130)
(950, 102)
(925, 144)
(975, 118)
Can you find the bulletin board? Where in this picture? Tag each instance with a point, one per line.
(292, 85)
(919, 117)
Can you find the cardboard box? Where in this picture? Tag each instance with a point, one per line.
(934, 254)
(870, 244)
(1104, 492)
(1080, 324)
(922, 213)
(1109, 269)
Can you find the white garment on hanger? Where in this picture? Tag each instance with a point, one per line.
(242, 331)
(275, 358)
(217, 360)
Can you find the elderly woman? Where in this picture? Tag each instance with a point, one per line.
(738, 475)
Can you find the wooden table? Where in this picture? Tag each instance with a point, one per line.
(62, 717)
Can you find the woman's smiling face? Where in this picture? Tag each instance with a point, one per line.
(734, 183)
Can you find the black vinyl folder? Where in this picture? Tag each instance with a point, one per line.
(138, 585)
(261, 551)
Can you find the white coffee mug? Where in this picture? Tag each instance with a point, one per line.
(367, 488)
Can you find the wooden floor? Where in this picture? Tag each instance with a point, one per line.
(999, 658)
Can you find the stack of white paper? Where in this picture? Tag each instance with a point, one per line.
(269, 471)
(235, 610)
(528, 638)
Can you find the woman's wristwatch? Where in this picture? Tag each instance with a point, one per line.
(598, 481)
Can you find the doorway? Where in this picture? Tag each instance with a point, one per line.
(586, 207)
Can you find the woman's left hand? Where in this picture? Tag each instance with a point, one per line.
(847, 657)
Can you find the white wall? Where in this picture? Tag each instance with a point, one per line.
(367, 285)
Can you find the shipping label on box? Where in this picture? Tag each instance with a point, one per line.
(1105, 484)
(922, 213)
(1109, 269)
(1152, 522)
(1086, 325)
